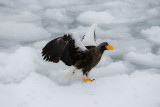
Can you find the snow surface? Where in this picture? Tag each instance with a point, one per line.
(152, 34)
(128, 76)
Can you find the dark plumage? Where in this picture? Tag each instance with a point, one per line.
(64, 49)
(82, 57)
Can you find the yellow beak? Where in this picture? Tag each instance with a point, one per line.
(109, 47)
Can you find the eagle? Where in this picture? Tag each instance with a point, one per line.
(80, 54)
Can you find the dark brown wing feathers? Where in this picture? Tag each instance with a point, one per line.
(62, 48)
(53, 50)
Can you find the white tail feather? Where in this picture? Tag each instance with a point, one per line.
(68, 74)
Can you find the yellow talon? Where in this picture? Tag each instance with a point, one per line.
(84, 80)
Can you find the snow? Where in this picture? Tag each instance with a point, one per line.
(37, 90)
(128, 76)
(111, 70)
(22, 32)
(98, 17)
(14, 63)
(60, 13)
(147, 59)
(152, 34)
(22, 17)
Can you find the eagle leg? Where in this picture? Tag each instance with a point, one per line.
(88, 79)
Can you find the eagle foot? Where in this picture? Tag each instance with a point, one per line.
(85, 80)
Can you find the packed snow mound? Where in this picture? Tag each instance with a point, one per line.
(22, 32)
(124, 46)
(122, 32)
(152, 34)
(139, 89)
(26, 17)
(60, 13)
(148, 59)
(14, 67)
(111, 70)
(98, 17)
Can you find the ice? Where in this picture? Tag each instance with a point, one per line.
(147, 59)
(128, 76)
(23, 32)
(59, 4)
(96, 17)
(122, 32)
(158, 51)
(22, 17)
(60, 13)
(111, 70)
(124, 46)
(14, 67)
(15, 64)
(152, 34)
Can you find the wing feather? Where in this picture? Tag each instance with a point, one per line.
(66, 48)
(89, 39)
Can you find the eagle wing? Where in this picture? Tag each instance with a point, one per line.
(89, 39)
(67, 48)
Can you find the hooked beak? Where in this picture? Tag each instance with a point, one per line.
(109, 47)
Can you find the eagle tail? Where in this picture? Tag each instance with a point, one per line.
(68, 74)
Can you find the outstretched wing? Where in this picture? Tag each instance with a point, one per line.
(67, 48)
(89, 39)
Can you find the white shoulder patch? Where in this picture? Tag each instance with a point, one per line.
(78, 42)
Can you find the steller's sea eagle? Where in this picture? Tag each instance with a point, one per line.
(80, 54)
